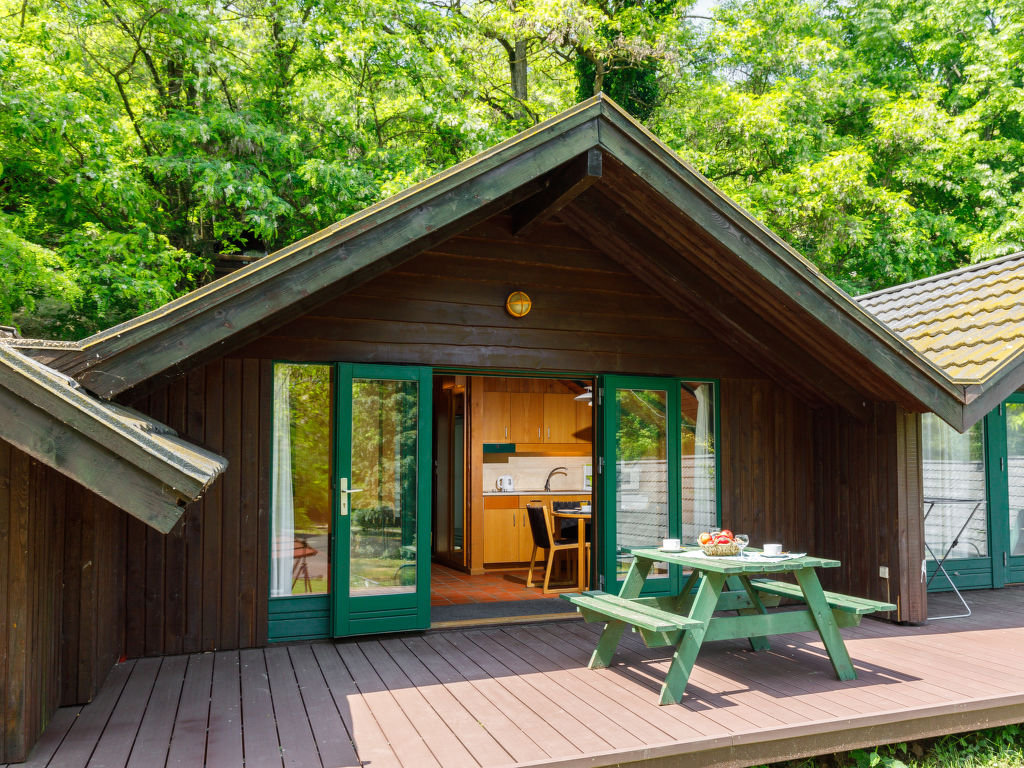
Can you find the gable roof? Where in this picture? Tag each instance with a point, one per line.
(648, 190)
(129, 459)
(969, 322)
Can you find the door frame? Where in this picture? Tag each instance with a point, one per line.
(404, 611)
(304, 617)
(606, 558)
(1001, 567)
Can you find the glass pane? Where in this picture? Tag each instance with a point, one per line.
(641, 473)
(1015, 474)
(699, 503)
(383, 512)
(954, 490)
(301, 471)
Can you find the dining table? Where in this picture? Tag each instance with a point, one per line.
(582, 518)
(722, 598)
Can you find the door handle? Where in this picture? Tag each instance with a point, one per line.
(343, 494)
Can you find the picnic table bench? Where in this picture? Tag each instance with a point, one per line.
(686, 620)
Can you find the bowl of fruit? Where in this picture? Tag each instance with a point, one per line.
(719, 544)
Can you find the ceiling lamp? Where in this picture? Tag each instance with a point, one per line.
(586, 397)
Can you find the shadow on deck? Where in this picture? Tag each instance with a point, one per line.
(522, 695)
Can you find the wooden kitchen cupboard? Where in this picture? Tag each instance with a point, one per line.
(496, 425)
(526, 417)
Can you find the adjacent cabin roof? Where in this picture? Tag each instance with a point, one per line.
(969, 322)
(129, 459)
(604, 175)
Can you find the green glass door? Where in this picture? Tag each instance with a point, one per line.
(659, 477)
(381, 500)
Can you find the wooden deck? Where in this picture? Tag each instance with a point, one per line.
(521, 695)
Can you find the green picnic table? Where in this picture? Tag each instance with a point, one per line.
(685, 620)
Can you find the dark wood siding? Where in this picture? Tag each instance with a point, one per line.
(60, 596)
(767, 463)
(867, 507)
(789, 472)
(204, 585)
(446, 307)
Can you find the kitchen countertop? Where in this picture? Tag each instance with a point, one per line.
(580, 492)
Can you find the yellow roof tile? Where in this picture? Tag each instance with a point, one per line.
(969, 322)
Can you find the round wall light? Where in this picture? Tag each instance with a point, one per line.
(518, 304)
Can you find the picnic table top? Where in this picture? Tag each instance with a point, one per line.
(693, 557)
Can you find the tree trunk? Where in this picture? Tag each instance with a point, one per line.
(517, 66)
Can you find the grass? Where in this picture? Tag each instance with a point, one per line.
(993, 748)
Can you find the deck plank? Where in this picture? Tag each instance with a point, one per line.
(609, 707)
(188, 740)
(522, 694)
(154, 736)
(259, 731)
(81, 739)
(298, 748)
(477, 741)
(224, 734)
(115, 745)
(51, 739)
(540, 730)
(411, 746)
(436, 731)
(330, 730)
(506, 733)
(368, 738)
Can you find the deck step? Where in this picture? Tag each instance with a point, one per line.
(836, 601)
(637, 614)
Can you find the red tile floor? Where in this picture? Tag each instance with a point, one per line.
(451, 587)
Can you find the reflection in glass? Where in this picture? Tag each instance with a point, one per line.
(301, 466)
(954, 489)
(641, 473)
(1015, 474)
(383, 513)
(699, 502)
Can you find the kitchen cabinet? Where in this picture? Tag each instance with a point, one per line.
(507, 535)
(559, 418)
(496, 427)
(526, 421)
(584, 423)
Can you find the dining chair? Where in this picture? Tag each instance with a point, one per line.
(542, 527)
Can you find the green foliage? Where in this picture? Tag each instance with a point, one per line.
(29, 272)
(993, 748)
(882, 138)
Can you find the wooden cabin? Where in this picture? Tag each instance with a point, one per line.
(574, 317)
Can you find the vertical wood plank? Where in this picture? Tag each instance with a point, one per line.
(248, 529)
(263, 523)
(230, 507)
(213, 508)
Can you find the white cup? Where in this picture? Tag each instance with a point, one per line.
(670, 544)
(585, 508)
(773, 549)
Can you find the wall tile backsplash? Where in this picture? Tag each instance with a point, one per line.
(529, 472)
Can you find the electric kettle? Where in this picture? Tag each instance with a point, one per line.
(505, 483)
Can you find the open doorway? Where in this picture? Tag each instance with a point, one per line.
(504, 445)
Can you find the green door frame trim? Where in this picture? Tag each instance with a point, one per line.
(1001, 567)
(366, 614)
(297, 617)
(607, 556)
(304, 617)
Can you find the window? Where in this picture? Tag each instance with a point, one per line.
(954, 489)
(301, 480)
